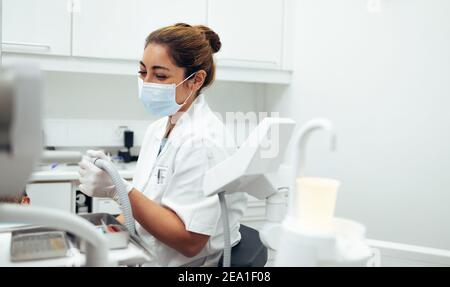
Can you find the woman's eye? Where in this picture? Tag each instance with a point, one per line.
(142, 72)
(161, 77)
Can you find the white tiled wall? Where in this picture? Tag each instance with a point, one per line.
(91, 133)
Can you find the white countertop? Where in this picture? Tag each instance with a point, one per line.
(70, 173)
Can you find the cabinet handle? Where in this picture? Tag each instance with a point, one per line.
(31, 45)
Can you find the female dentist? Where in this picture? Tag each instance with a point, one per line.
(178, 223)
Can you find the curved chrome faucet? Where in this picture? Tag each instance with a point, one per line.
(302, 137)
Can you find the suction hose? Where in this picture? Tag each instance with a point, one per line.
(121, 191)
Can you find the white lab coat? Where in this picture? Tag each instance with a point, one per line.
(174, 179)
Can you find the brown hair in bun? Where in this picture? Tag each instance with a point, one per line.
(191, 47)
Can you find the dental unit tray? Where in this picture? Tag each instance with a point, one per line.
(38, 243)
(115, 243)
(116, 234)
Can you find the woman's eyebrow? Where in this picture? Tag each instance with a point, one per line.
(154, 67)
(160, 67)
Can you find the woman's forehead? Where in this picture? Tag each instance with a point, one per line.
(157, 56)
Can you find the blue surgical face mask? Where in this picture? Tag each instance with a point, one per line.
(160, 99)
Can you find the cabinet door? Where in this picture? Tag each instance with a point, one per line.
(51, 195)
(117, 29)
(251, 31)
(36, 26)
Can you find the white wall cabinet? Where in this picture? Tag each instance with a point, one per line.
(251, 31)
(108, 36)
(36, 26)
(57, 195)
(116, 29)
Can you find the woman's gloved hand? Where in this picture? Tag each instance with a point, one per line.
(94, 181)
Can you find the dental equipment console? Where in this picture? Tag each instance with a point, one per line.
(299, 239)
(20, 149)
(251, 169)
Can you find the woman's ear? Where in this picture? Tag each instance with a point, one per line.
(199, 79)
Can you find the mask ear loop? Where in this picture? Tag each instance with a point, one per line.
(175, 117)
(186, 79)
(191, 91)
